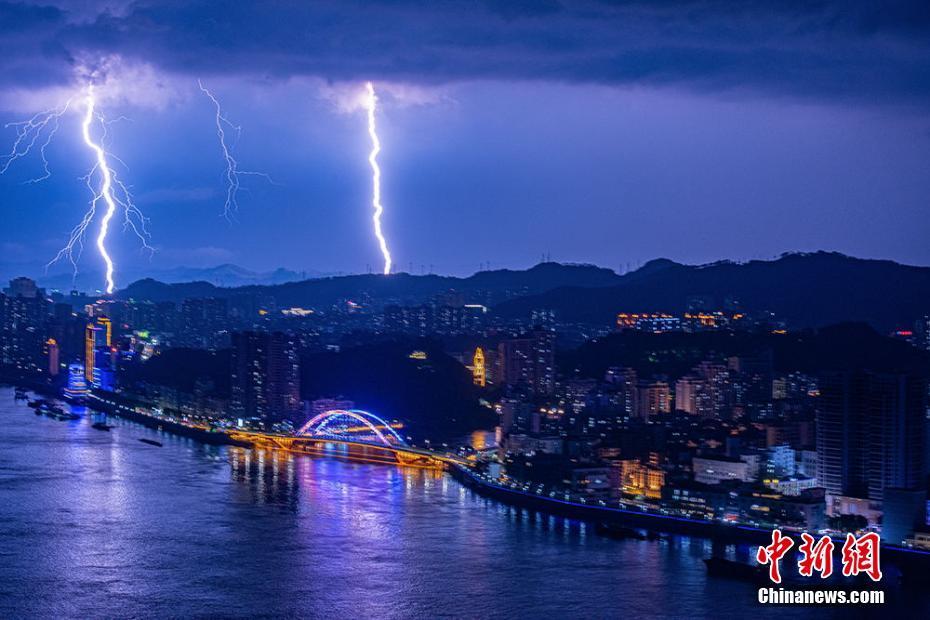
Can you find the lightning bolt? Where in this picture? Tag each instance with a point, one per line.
(371, 103)
(29, 132)
(111, 190)
(233, 173)
(106, 188)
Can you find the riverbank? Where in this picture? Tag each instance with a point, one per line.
(607, 514)
(912, 564)
(112, 404)
(98, 525)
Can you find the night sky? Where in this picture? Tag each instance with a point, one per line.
(610, 132)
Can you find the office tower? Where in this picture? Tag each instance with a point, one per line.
(692, 396)
(653, 398)
(97, 337)
(716, 379)
(51, 350)
(265, 376)
(529, 361)
(99, 356)
(625, 381)
(24, 317)
(871, 433)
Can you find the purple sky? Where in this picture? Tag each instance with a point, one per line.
(606, 132)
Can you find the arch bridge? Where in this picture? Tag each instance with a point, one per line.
(353, 434)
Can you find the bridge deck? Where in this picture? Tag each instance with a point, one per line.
(289, 442)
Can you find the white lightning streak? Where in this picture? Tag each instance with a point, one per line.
(371, 104)
(112, 191)
(36, 134)
(233, 182)
(28, 133)
(105, 188)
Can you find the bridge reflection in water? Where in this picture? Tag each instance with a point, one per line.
(281, 478)
(351, 434)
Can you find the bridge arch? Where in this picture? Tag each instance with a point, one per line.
(318, 424)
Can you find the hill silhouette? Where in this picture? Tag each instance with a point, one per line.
(486, 287)
(807, 290)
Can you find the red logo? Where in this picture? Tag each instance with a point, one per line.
(773, 553)
(859, 555)
(816, 556)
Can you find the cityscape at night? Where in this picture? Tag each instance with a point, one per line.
(499, 309)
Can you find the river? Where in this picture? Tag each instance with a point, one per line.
(98, 524)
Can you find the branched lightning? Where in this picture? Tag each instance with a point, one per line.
(29, 132)
(233, 173)
(114, 193)
(371, 104)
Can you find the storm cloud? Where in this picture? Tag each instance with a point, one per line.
(850, 50)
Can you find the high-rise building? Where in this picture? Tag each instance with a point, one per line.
(752, 377)
(625, 381)
(479, 372)
(691, 396)
(97, 336)
(653, 398)
(24, 287)
(99, 356)
(871, 433)
(105, 369)
(528, 361)
(24, 317)
(77, 385)
(265, 376)
(51, 348)
(515, 414)
(716, 379)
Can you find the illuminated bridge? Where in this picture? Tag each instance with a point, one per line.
(351, 434)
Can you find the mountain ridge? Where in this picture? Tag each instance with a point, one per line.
(485, 286)
(805, 289)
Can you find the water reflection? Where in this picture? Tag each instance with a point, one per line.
(480, 440)
(269, 475)
(278, 477)
(97, 524)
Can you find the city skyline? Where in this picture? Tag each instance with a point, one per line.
(415, 308)
(588, 150)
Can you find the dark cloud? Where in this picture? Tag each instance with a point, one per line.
(29, 52)
(852, 49)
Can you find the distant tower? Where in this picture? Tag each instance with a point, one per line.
(90, 345)
(96, 336)
(107, 326)
(52, 347)
(265, 376)
(479, 371)
(77, 386)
